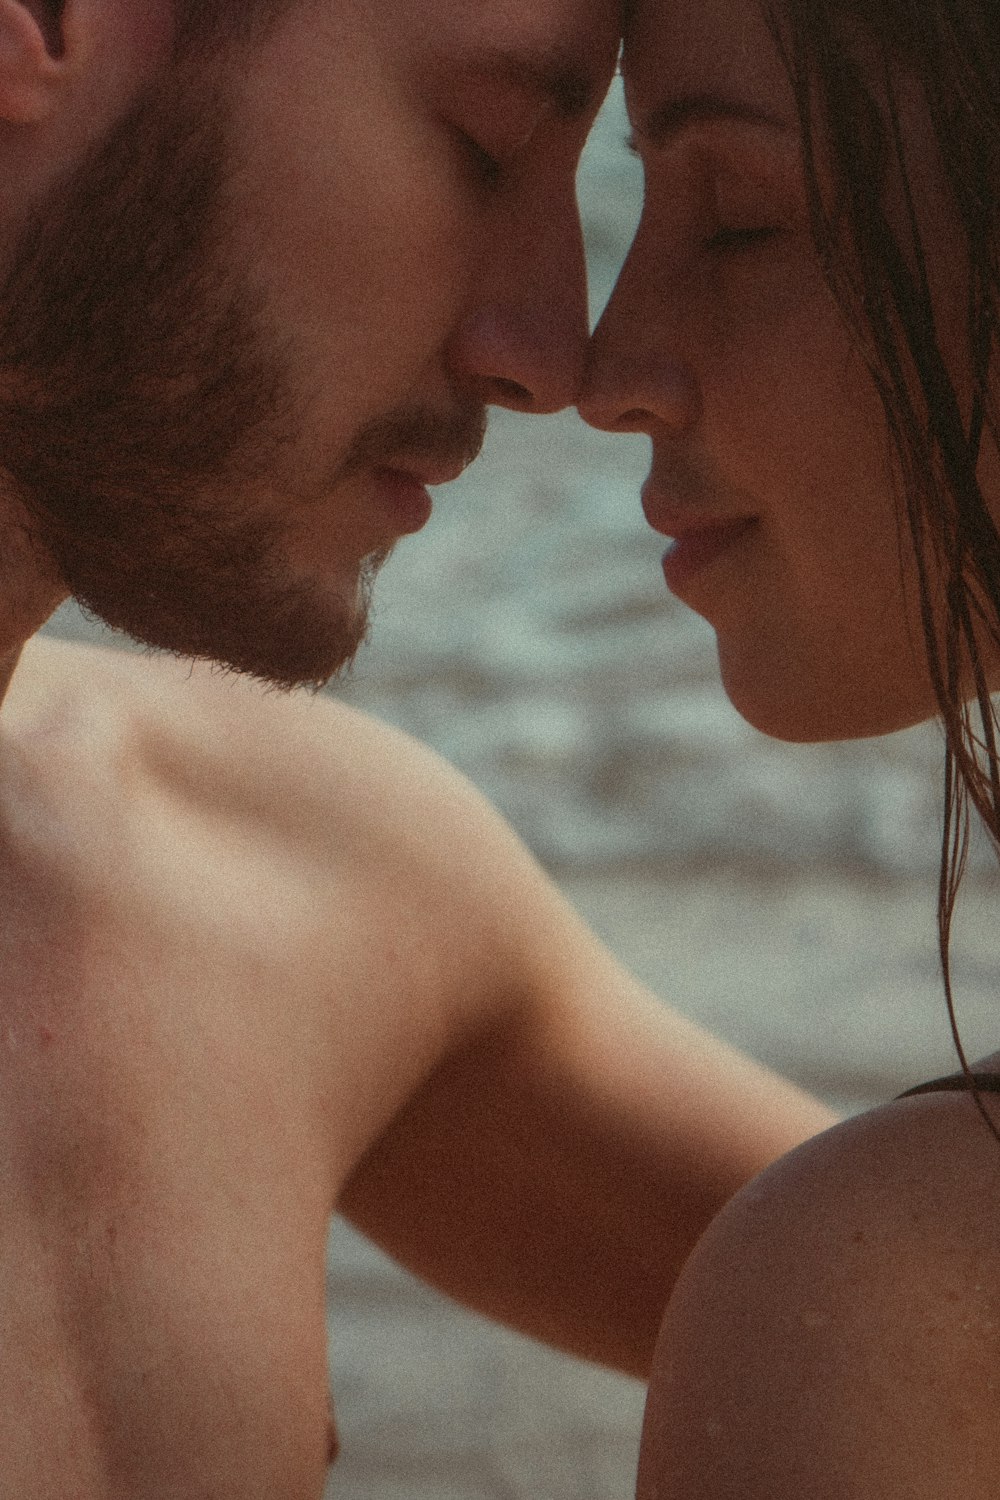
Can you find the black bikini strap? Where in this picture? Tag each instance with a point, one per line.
(955, 1083)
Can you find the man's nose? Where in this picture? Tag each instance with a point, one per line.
(522, 343)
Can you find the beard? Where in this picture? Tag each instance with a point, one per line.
(144, 409)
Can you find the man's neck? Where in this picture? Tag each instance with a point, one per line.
(8, 666)
(30, 588)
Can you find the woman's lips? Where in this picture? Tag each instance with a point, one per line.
(695, 542)
(694, 549)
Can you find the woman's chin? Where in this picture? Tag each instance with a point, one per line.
(814, 708)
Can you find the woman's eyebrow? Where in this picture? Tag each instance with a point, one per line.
(662, 124)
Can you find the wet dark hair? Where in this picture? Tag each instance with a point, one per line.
(851, 63)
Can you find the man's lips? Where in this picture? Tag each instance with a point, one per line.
(404, 489)
(429, 472)
(406, 499)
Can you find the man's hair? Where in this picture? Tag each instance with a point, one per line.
(851, 63)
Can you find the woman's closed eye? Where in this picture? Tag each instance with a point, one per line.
(731, 239)
(725, 189)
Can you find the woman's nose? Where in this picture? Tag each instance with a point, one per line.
(637, 376)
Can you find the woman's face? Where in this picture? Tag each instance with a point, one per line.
(771, 461)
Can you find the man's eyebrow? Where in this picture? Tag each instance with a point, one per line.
(667, 120)
(564, 83)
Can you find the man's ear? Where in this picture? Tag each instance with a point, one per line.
(31, 61)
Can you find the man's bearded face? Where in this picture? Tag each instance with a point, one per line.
(239, 337)
(151, 423)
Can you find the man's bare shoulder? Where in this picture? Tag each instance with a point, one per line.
(341, 801)
(837, 1329)
(307, 861)
(306, 762)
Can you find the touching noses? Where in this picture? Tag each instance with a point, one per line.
(522, 342)
(638, 376)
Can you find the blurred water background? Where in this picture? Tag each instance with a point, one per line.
(783, 895)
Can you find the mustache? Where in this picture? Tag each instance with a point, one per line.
(420, 435)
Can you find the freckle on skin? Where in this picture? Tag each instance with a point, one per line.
(45, 1035)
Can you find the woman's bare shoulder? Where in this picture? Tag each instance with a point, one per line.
(837, 1330)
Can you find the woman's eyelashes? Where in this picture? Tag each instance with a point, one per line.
(731, 239)
(723, 190)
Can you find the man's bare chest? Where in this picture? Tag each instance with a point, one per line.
(202, 1030)
(164, 1196)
